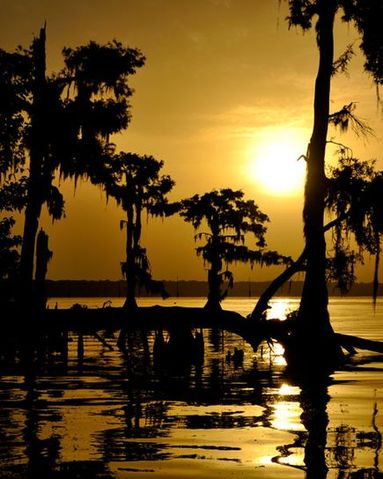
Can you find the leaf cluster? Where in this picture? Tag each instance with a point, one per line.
(230, 220)
(13, 193)
(135, 181)
(143, 273)
(68, 116)
(9, 255)
(366, 15)
(102, 69)
(224, 211)
(354, 197)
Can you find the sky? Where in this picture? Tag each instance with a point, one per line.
(224, 99)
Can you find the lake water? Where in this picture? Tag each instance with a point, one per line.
(119, 415)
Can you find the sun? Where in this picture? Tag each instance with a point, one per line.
(275, 167)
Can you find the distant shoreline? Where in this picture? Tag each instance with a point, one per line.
(185, 288)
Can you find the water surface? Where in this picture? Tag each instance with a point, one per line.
(108, 414)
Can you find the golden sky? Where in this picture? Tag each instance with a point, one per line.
(227, 89)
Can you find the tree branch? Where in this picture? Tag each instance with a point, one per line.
(279, 281)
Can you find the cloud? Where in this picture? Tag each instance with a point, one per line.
(245, 121)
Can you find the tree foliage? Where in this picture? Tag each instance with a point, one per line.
(58, 122)
(231, 221)
(9, 254)
(354, 197)
(97, 91)
(136, 183)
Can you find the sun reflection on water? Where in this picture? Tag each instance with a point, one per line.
(287, 390)
(285, 419)
(286, 411)
(280, 308)
(286, 416)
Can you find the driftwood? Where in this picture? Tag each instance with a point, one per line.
(152, 317)
(91, 321)
(347, 341)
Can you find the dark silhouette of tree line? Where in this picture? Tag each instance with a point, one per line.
(61, 124)
(57, 124)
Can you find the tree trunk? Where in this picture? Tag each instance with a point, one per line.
(37, 154)
(213, 278)
(313, 401)
(214, 292)
(130, 265)
(286, 275)
(315, 339)
(43, 256)
(264, 299)
(31, 224)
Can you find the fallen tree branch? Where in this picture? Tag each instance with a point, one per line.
(288, 273)
(347, 340)
(278, 282)
(90, 321)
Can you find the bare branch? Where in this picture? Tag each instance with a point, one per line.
(344, 150)
(341, 64)
(345, 118)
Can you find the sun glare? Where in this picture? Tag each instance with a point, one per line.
(275, 166)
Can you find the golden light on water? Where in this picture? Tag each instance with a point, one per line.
(286, 416)
(278, 355)
(287, 390)
(287, 411)
(280, 308)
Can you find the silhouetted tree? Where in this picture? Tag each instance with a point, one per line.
(41, 105)
(314, 334)
(12, 194)
(354, 207)
(137, 185)
(9, 258)
(60, 121)
(97, 85)
(12, 160)
(229, 218)
(43, 256)
(355, 196)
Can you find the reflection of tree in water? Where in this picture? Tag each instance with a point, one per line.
(223, 420)
(151, 391)
(26, 360)
(42, 454)
(142, 421)
(343, 443)
(82, 469)
(146, 417)
(341, 448)
(378, 436)
(42, 351)
(330, 448)
(12, 444)
(314, 399)
(142, 416)
(324, 448)
(216, 338)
